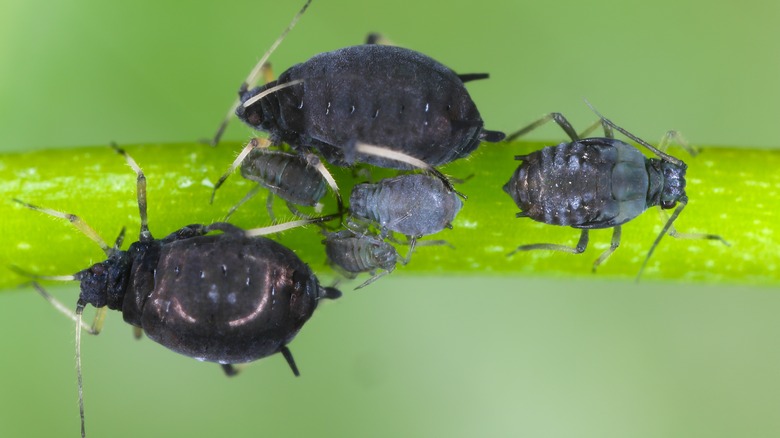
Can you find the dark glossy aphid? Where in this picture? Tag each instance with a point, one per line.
(414, 205)
(597, 182)
(230, 298)
(352, 253)
(381, 95)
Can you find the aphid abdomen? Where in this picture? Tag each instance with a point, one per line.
(413, 205)
(286, 175)
(245, 298)
(381, 95)
(590, 183)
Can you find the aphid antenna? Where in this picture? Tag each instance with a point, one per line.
(27, 274)
(383, 152)
(77, 315)
(144, 235)
(76, 222)
(243, 200)
(660, 153)
(251, 101)
(278, 228)
(254, 143)
(256, 71)
(682, 202)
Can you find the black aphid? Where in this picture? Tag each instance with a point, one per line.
(381, 95)
(597, 182)
(230, 298)
(391, 97)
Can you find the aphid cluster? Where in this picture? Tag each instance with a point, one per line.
(222, 294)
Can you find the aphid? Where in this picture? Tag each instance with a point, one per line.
(352, 253)
(381, 95)
(414, 205)
(597, 182)
(299, 179)
(229, 298)
(374, 94)
(292, 177)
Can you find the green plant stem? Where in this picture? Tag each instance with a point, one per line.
(733, 193)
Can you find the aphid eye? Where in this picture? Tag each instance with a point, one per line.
(666, 205)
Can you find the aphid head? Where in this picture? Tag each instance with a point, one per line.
(104, 283)
(253, 115)
(673, 183)
(383, 254)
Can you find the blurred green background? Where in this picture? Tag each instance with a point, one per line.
(408, 356)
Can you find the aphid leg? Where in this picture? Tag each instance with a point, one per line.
(682, 203)
(612, 247)
(253, 144)
(382, 152)
(674, 137)
(298, 213)
(267, 71)
(76, 221)
(341, 271)
(119, 239)
(144, 235)
(374, 277)
(357, 226)
(585, 133)
(460, 180)
(255, 74)
(97, 323)
(437, 242)
(290, 361)
(392, 238)
(652, 148)
(557, 117)
(138, 332)
(315, 162)
(246, 198)
(412, 245)
(703, 236)
(269, 207)
(582, 244)
(669, 229)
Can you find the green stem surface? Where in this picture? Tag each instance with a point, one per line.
(733, 193)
